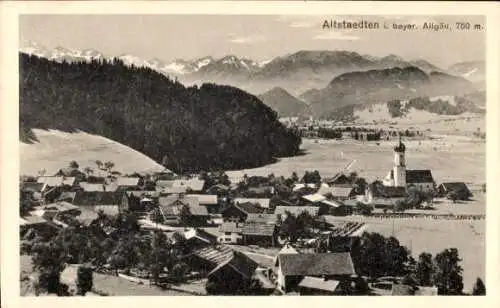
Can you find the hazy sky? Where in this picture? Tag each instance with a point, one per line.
(259, 37)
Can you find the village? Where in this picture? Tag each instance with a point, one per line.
(96, 231)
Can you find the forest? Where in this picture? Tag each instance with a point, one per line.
(187, 129)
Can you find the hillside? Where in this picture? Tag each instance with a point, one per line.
(285, 104)
(375, 86)
(475, 71)
(186, 128)
(53, 149)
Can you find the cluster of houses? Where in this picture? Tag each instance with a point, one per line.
(165, 201)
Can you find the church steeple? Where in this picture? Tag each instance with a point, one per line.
(400, 148)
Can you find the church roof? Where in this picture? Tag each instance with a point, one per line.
(419, 176)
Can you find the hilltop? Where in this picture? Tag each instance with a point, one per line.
(210, 127)
(285, 104)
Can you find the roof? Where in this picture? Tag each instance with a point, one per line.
(91, 186)
(249, 208)
(299, 186)
(262, 189)
(144, 193)
(316, 264)
(314, 198)
(263, 229)
(232, 227)
(262, 218)
(161, 184)
(32, 220)
(128, 181)
(32, 186)
(178, 199)
(333, 203)
(419, 176)
(173, 190)
(55, 181)
(337, 191)
(389, 192)
(240, 263)
(193, 184)
(86, 216)
(297, 210)
(93, 198)
(214, 254)
(339, 177)
(205, 199)
(454, 186)
(61, 206)
(171, 205)
(319, 284)
(220, 187)
(263, 202)
(67, 195)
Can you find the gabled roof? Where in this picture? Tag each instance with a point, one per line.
(214, 254)
(319, 284)
(240, 263)
(419, 176)
(342, 192)
(67, 196)
(316, 264)
(127, 181)
(249, 208)
(454, 186)
(91, 186)
(173, 190)
(144, 193)
(314, 198)
(93, 198)
(162, 184)
(263, 202)
(262, 229)
(200, 234)
(333, 203)
(205, 199)
(61, 206)
(297, 210)
(338, 178)
(55, 181)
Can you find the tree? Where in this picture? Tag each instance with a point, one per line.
(479, 287)
(185, 214)
(414, 197)
(294, 177)
(179, 272)
(42, 172)
(400, 206)
(109, 166)
(453, 196)
(289, 227)
(48, 260)
(84, 280)
(88, 171)
(99, 164)
(448, 275)
(73, 164)
(425, 269)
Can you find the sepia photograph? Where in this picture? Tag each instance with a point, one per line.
(256, 155)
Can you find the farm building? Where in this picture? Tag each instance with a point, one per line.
(240, 211)
(56, 181)
(459, 188)
(128, 183)
(260, 233)
(262, 202)
(211, 202)
(230, 233)
(292, 268)
(109, 202)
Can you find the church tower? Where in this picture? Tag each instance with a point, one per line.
(399, 170)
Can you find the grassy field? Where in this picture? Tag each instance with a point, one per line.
(55, 149)
(433, 236)
(450, 158)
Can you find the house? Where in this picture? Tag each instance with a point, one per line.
(194, 185)
(318, 286)
(299, 186)
(260, 233)
(235, 274)
(171, 208)
(313, 198)
(240, 211)
(342, 193)
(339, 179)
(297, 210)
(230, 233)
(336, 207)
(56, 181)
(128, 183)
(91, 186)
(262, 202)
(381, 196)
(207, 258)
(35, 225)
(459, 188)
(287, 249)
(292, 268)
(110, 203)
(421, 179)
(211, 202)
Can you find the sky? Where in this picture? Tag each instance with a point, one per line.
(258, 37)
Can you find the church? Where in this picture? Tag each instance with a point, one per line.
(399, 176)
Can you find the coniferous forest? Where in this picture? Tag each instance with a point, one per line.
(187, 129)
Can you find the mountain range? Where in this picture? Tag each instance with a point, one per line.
(324, 80)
